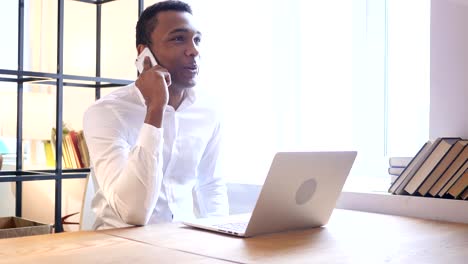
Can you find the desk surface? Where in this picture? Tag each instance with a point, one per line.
(90, 247)
(350, 237)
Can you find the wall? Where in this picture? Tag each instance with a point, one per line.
(449, 69)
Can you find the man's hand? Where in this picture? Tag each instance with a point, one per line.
(153, 84)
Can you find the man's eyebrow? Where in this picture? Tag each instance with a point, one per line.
(183, 30)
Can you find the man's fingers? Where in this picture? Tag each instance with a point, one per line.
(157, 70)
(146, 63)
(167, 77)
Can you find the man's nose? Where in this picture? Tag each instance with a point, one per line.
(192, 50)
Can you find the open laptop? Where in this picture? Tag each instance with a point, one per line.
(300, 191)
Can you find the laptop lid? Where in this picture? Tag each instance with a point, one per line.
(300, 191)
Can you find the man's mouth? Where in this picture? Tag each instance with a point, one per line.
(192, 67)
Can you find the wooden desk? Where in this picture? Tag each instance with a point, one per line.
(350, 237)
(90, 247)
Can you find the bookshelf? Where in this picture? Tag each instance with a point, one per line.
(60, 79)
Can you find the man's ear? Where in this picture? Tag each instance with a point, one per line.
(140, 48)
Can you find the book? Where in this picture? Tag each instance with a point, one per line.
(442, 166)
(459, 186)
(83, 149)
(74, 141)
(49, 153)
(414, 163)
(72, 152)
(449, 172)
(52, 141)
(440, 147)
(66, 152)
(453, 179)
(395, 170)
(399, 162)
(464, 195)
(393, 178)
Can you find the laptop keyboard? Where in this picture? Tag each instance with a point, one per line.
(237, 227)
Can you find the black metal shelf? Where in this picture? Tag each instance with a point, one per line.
(38, 175)
(95, 1)
(51, 79)
(60, 80)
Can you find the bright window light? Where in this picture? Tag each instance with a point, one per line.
(317, 75)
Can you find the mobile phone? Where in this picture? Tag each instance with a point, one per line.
(139, 62)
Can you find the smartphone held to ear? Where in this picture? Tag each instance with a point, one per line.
(139, 63)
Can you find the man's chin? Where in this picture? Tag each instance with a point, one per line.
(191, 84)
(182, 86)
(188, 84)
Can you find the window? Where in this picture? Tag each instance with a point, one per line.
(408, 75)
(317, 75)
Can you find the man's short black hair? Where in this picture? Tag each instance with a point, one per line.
(147, 21)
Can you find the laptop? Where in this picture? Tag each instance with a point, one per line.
(300, 191)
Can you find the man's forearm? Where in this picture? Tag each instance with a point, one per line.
(135, 194)
(130, 180)
(154, 116)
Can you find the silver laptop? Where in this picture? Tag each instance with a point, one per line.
(300, 191)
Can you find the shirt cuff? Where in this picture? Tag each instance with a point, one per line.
(151, 138)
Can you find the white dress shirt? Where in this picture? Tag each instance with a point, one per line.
(145, 174)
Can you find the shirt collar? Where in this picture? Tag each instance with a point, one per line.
(190, 97)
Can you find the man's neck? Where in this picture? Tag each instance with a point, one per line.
(176, 96)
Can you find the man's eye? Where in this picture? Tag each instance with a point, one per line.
(197, 40)
(178, 38)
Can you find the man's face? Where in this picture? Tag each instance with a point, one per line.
(175, 41)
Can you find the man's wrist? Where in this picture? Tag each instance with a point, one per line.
(154, 116)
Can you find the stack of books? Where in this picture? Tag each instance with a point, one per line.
(439, 169)
(396, 166)
(75, 153)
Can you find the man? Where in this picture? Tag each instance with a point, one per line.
(153, 144)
